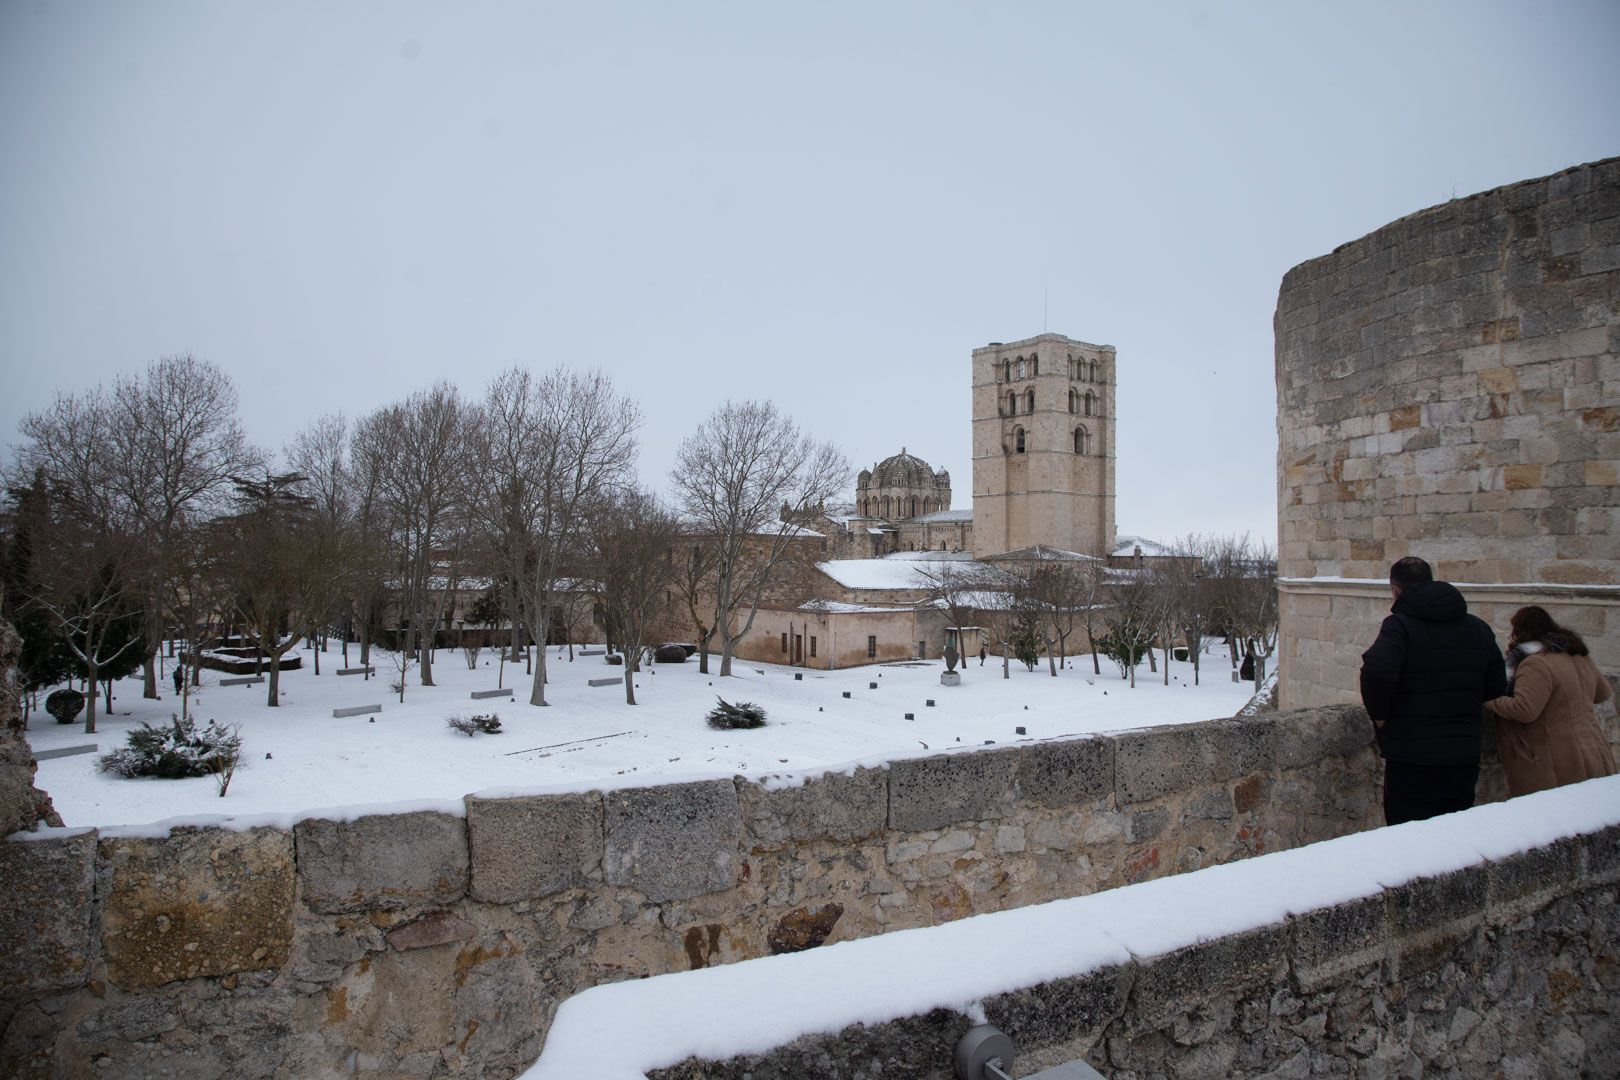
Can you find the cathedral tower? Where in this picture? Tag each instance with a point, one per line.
(1043, 446)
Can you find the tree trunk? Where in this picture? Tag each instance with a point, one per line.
(275, 683)
(108, 685)
(149, 681)
(424, 648)
(317, 655)
(90, 698)
(1051, 657)
(629, 684)
(1167, 662)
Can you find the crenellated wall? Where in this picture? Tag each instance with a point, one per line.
(438, 942)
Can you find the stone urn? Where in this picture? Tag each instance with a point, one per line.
(951, 656)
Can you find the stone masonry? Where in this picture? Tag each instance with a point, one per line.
(430, 944)
(1449, 387)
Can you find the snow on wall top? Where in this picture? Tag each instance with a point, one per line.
(878, 573)
(947, 515)
(621, 1030)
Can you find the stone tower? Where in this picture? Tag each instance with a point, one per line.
(1043, 446)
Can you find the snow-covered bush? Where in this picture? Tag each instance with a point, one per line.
(487, 723)
(669, 653)
(614, 658)
(744, 714)
(177, 750)
(64, 704)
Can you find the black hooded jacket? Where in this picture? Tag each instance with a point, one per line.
(1426, 678)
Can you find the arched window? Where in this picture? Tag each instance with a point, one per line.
(1080, 440)
(1021, 368)
(1072, 397)
(1029, 401)
(914, 506)
(1091, 400)
(1018, 440)
(885, 506)
(1012, 403)
(1091, 371)
(1034, 366)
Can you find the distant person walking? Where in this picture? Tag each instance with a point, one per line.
(1550, 736)
(982, 652)
(1425, 682)
(179, 678)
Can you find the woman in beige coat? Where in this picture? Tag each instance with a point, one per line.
(1550, 736)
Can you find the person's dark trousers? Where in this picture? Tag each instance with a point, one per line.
(1415, 792)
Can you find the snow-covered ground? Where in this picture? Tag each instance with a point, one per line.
(588, 737)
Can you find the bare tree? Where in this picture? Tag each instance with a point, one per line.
(743, 479)
(1132, 616)
(1060, 590)
(176, 443)
(629, 543)
(956, 588)
(1245, 584)
(87, 558)
(694, 580)
(416, 454)
(565, 443)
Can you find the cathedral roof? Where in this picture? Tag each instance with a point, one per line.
(902, 470)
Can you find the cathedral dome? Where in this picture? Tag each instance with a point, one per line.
(902, 470)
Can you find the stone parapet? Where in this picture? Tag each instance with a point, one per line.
(425, 943)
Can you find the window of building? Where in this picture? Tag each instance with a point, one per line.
(812, 644)
(871, 646)
(1012, 403)
(784, 641)
(1071, 400)
(1018, 440)
(1034, 366)
(1029, 401)
(1091, 400)
(1079, 440)
(1022, 370)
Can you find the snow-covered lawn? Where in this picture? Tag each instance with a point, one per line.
(588, 737)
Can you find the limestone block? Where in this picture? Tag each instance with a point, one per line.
(1243, 745)
(532, 846)
(382, 861)
(674, 841)
(1151, 764)
(1600, 856)
(933, 792)
(1306, 736)
(1526, 880)
(434, 928)
(197, 902)
(1066, 772)
(1169, 985)
(831, 807)
(45, 913)
(1428, 915)
(1331, 942)
(1060, 1011)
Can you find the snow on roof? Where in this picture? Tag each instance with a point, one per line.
(838, 607)
(1041, 553)
(1150, 548)
(931, 556)
(947, 515)
(875, 573)
(622, 1030)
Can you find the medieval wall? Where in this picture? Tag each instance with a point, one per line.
(438, 942)
(1501, 968)
(1449, 387)
(22, 805)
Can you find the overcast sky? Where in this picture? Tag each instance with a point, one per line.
(826, 204)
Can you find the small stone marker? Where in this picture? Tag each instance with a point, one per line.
(798, 676)
(871, 686)
(911, 716)
(478, 694)
(65, 751)
(357, 671)
(357, 710)
(605, 682)
(1020, 731)
(846, 693)
(929, 703)
(246, 681)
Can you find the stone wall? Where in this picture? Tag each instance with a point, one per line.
(1449, 387)
(1505, 968)
(431, 944)
(22, 805)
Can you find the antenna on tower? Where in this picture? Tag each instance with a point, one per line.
(1044, 291)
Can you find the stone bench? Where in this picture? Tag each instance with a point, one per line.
(479, 694)
(357, 671)
(249, 681)
(614, 681)
(65, 751)
(356, 710)
(591, 652)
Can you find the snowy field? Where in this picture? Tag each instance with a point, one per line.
(588, 737)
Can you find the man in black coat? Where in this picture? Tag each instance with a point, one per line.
(1424, 682)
